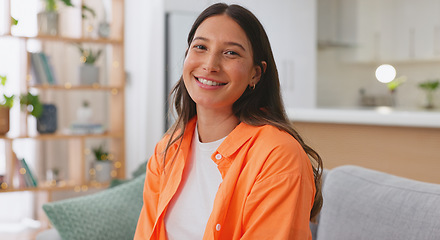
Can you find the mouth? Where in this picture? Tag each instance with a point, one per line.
(209, 82)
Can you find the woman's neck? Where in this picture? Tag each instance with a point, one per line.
(213, 125)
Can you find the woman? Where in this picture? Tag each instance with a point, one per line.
(231, 167)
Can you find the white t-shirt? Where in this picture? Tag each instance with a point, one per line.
(190, 208)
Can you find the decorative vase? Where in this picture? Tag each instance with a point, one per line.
(104, 29)
(84, 114)
(88, 74)
(429, 104)
(4, 120)
(47, 23)
(103, 171)
(47, 122)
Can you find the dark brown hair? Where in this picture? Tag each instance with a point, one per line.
(260, 106)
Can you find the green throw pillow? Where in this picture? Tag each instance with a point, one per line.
(109, 214)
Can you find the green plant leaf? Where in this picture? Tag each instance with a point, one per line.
(85, 9)
(9, 101)
(3, 80)
(430, 85)
(51, 5)
(100, 154)
(14, 21)
(67, 3)
(37, 110)
(90, 56)
(31, 100)
(393, 85)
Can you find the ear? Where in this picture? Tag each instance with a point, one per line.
(258, 72)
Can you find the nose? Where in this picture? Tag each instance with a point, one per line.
(211, 63)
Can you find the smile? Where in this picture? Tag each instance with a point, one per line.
(209, 83)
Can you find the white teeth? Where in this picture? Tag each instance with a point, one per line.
(207, 82)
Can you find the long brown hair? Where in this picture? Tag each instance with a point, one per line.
(260, 106)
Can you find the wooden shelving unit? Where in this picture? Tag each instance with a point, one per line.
(114, 87)
(63, 186)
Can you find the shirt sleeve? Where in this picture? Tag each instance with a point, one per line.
(279, 204)
(151, 193)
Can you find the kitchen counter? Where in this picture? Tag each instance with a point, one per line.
(398, 141)
(382, 116)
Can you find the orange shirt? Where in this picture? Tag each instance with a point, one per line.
(267, 190)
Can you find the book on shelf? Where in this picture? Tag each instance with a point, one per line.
(25, 176)
(37, 69)
(48, 68)
(86, 128)
(31, 177)
(20, 176)
(42, 69)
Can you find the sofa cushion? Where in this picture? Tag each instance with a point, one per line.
(366, 204)
(109, 214)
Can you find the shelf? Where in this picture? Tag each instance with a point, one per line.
(62, 186)
(68, 39)
(63, 136)
(70, 153)
(69, 87)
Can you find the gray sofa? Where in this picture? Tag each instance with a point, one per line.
(360, 204)
(364, 204)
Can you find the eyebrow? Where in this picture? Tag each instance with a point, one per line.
(228, 43)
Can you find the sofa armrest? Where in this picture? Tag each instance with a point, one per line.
(364, 204)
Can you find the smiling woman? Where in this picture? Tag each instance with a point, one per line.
(217, 70)
(232, 145)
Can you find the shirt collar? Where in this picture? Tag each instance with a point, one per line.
(237, 138)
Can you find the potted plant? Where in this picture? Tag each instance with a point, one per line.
(48, 19)
(88, 72)
(392, 87)
(102, 164)
(46, 114)
(84, 113)
(5, 105)
(429, 87)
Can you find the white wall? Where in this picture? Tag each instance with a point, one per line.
(144, 41)
(290, 25)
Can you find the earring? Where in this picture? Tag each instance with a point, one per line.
(253, 87)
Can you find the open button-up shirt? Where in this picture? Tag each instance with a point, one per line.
(267, 190)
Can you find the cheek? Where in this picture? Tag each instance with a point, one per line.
(191, 60)
(242, 72)
(186, 71)
(189, 65)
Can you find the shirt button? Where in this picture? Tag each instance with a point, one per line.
(218, 227)
(218, 156)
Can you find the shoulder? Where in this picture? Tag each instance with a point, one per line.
(270, 137)
(277, 153)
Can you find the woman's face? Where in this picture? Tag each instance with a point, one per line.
(219, 66)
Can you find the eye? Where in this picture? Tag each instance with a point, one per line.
(201, 47)
(231, 53)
